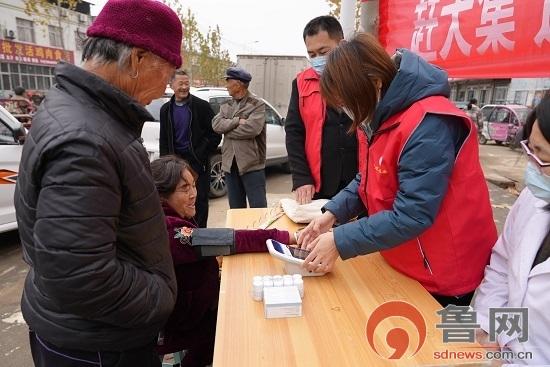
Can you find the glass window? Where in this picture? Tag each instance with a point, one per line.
(482, 96)
(461, 95)
(4, 67)
(500, 94)
(502, 115)
(216, 102)
(6, 135)
(40, 82)
(56, 36)
(14, 68)
(521, 97)
(25, 81)
(25, 30)
(6, 85)
(486, 111)
(271, 117)
(471, 93)
(32, 82)
(15, 82)
(154, 107)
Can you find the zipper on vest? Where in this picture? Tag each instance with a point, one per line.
(424, 257)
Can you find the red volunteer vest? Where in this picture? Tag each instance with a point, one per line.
(312, 110)
(450, 257)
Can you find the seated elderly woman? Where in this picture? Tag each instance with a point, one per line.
(519, 273)
(192, 325)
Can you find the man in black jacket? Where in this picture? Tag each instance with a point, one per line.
(321, 151)
(186, 131)
(101, 282)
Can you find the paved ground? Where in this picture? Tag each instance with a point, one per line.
(503, 168)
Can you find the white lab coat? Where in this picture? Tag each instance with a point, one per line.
(510, 282)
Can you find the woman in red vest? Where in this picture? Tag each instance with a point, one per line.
(420, 182)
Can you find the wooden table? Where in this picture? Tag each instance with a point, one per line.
(336, 307)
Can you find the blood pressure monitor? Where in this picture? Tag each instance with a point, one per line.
(293, 257)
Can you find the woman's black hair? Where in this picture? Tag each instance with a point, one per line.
(167, 172)
(542, 114)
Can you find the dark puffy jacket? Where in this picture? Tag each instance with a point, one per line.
(204, 141)
(91, 225)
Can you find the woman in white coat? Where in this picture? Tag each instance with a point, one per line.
(519, 271)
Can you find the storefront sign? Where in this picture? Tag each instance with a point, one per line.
(33, 54)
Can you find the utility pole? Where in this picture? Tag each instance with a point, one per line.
(347, 17)
(369, 16)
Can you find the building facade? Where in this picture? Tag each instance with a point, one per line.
(523, 91)
(30, 45)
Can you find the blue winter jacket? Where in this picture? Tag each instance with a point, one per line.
(423, 169)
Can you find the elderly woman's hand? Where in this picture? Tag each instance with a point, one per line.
(323, 254)
(315, 228)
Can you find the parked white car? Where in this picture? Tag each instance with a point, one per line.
(276, 147)
(12, 134)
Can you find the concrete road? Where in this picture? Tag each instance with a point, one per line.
(501, 165)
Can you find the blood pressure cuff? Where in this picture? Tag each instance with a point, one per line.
(212, 241)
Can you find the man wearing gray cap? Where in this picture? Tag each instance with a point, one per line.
(242, 121)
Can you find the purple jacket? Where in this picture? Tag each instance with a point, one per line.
(198, 277)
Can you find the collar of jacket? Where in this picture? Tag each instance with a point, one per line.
(88, 87)
(245, 97)
(311, 74)
(189, 100)
(171, 214)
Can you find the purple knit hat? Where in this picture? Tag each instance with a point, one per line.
(147, 24)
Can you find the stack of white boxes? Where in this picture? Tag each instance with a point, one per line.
(282, 295)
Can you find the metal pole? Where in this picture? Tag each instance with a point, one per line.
(370, 16)
(347, 17)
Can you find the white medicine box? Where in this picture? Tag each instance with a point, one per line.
(282, 302)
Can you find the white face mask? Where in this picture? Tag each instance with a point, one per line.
(537, 182)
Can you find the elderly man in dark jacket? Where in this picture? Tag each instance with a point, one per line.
(101, 282)
(186, 131)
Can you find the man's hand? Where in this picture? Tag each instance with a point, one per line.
(323, 254)
(242, 121)
(317, 227)
(304, 194)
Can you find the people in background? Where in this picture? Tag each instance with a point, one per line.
(420, 182)
(192, 325)
(101, 283)
(242, 123)
(321, 146)
(518, 275)
(475, 113)
(186, 131)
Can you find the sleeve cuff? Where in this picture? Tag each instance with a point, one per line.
(213, 241)
(334, 208)
(344, 249)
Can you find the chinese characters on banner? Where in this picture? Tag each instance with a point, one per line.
(33, 54)
(472, 38)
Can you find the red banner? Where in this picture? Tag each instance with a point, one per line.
(33, 54)
(472, 38)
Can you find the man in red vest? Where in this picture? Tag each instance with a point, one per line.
(321, 151)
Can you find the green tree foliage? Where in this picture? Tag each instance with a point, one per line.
(203, 56)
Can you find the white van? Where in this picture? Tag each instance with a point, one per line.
(12, 135)
(275, 134)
